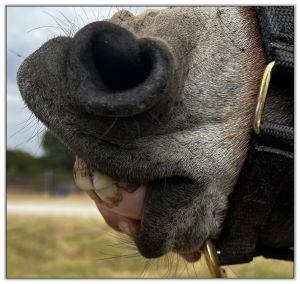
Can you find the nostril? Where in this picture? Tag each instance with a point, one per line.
(120, 60)
(113, 73)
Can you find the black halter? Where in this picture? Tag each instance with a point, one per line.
(268, 172)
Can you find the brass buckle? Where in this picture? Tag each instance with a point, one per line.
(263, 90)
(212, 260)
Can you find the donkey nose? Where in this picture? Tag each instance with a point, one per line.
(117, 74)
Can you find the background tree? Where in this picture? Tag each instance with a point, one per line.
(57, 157)
(57, 160)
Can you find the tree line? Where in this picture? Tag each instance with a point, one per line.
(21, 165)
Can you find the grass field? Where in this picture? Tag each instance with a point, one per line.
(54, 247)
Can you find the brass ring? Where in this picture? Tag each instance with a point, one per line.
(212, 260)
(263, 90)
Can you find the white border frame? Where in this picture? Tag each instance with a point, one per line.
(116, 3)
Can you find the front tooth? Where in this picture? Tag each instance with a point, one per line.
(110, 195)
(84, 182)
(102, 181)
(103, 186)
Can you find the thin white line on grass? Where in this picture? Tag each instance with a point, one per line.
(71, 210)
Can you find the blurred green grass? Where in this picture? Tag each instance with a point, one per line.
(62, 247)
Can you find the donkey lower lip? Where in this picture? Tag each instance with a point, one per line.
(136, 206)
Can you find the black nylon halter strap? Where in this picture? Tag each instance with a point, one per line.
(268, 170)
(277, 27)
(269, 167)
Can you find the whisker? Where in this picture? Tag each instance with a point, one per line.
(57, 21)
(122, 240)
(123, 246)
(42, 27)
(163, 261)
(25, 127)
(112, 256)
(35, 133)
(39, 130)
(16, 53)
(71, 24)
(26, 120)
(88, 20)
(193, 265)
(109, 12)
(187, 268)
(93, 12)
(98, 14)
(137, 127)
(231, 269)
(170, 262)
(128, 244)
(109, 128)
(81, 19)
(146, 268)
(177, 264)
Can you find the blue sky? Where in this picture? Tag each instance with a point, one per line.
(27, 29)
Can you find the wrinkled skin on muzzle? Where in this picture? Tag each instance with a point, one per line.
(164, 98)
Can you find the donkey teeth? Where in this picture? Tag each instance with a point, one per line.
(101, 181)
(102, 185)
(92, 181)
(106, 188)
(84, 182)
(110, 195)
